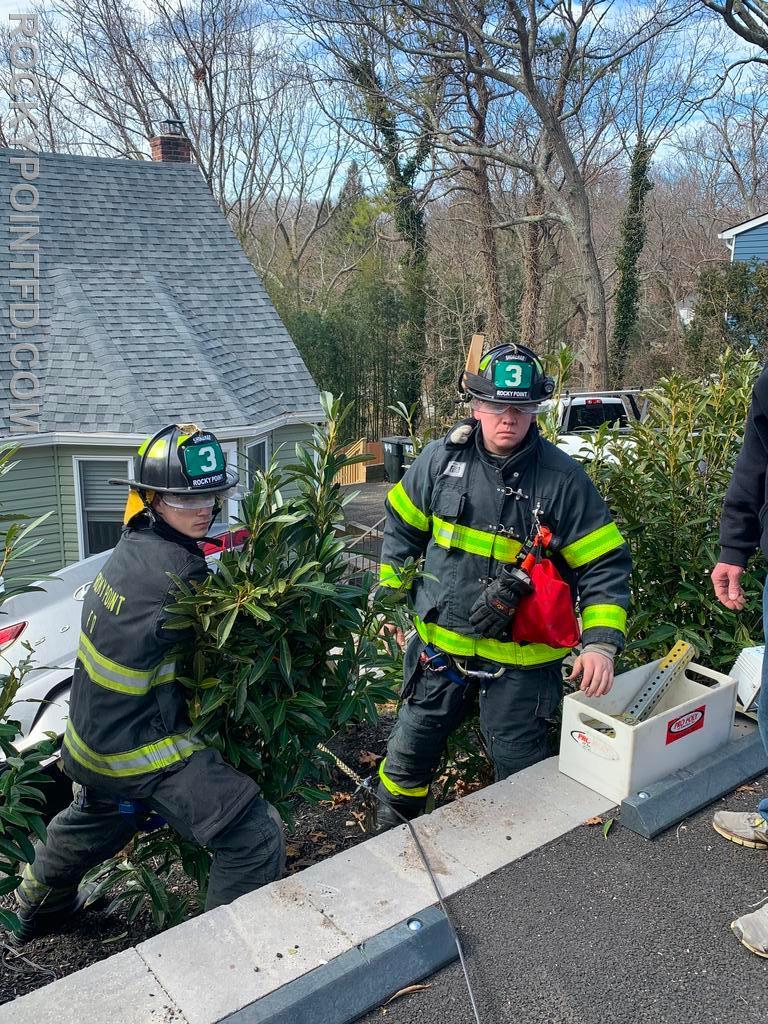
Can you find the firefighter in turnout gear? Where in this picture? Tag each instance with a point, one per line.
(127, 744)
(513, 533)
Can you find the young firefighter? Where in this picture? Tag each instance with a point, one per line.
(126, 744)
(469, 503)
(744, 529)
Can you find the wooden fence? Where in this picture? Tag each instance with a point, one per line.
(354, 474)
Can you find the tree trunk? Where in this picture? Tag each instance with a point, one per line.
(495, 320)
(584, 249)
(532, 252)
(478, 98)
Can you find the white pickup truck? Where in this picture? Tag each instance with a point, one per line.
(49, 623)
(580, 412)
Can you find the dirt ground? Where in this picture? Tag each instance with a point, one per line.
(321, 830)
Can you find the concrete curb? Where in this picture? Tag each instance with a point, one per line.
(688, 790)
(360, 979)
(209, 968)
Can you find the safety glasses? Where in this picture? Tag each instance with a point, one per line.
(191, 502)
(493, 409)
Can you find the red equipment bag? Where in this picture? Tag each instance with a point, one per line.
(546, 616)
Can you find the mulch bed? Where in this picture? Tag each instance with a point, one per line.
(321, 830)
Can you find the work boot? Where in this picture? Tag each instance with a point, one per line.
(752, 931)
(745, 828)
(391, 810)
(37, 919)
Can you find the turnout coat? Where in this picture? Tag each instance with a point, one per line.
(128, 718)
(468, 513)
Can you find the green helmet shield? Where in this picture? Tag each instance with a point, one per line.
(509, 375)
(202, 461)
(181, 459)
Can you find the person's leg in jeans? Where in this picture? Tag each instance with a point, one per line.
(750, 828)
(89, 831)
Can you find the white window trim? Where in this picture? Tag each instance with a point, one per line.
(266, 440)
(229, 512)
(76, 460)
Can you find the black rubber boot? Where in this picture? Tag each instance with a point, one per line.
(392, 809)
(37, 920)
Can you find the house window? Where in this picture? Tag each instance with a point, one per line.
(257, 457)
(101, 504)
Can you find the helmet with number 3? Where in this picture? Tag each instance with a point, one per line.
(181, 459)
(509, 375)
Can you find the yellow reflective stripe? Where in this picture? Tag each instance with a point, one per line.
(493, 650)
(399, 790)
(611, 615)
(595, 544)
(388, 577)
(111, 674)
(149, 758)
(406, 509)
(476, 542)
(31, 889)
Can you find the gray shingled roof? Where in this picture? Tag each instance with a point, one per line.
(151, 310)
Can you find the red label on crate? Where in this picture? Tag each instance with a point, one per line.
(594, 745)
(690, 722)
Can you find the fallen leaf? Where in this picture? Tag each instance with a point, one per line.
(326, 849)
(405, 991)
(115, 938)
(748, 788)
(607, 827)
(337, 799)
(292, 851)
(317, 836)
(597, 820)
(368, 757)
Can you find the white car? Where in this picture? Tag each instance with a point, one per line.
(581, 412)
(49, 623)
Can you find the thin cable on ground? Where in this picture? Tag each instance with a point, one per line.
(365, 785)
(18, 956)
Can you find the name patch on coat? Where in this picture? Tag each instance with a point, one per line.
(455, 469)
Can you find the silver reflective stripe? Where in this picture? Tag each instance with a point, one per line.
(108, 673)
(149, 758)
(443, 532)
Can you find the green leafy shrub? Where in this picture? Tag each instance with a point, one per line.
(665, 482)
(20, 798)
(286, 652)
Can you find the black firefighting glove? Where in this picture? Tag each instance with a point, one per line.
(493, 611)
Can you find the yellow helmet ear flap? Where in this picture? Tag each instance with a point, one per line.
(135, 504)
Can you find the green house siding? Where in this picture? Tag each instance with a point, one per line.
(65, 456)
(44, 481)
(31, 489)
(284, 441)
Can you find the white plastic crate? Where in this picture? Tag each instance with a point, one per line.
(617, 759)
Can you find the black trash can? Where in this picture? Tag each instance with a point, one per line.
(393, 457)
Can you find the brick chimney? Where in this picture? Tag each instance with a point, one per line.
(171, 145)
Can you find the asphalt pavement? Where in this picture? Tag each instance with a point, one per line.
(616, 930)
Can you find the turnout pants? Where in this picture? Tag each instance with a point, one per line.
(206, 801)
(514, 711)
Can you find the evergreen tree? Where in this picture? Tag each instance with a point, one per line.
(633, 232)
